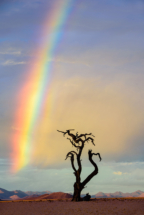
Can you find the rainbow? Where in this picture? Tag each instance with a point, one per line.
(35, 93)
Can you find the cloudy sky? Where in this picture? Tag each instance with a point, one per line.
(96, 85)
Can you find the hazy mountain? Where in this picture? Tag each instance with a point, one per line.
(118, 194)
(5, 194)
(17, 194)
(137, 193)
(142, 195)
(100, 195)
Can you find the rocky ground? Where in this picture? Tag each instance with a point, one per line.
(113, 206)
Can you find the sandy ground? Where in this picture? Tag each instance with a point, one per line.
(66, 207)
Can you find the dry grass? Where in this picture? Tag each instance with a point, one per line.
(113, 206)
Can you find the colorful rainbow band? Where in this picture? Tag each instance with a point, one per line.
(35, 91)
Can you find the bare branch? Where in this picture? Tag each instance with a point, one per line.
(92, 134)
(84, 135)
(95, 172)
(74, 137)
(92, 140)
(71, 155)
(98, 155)
(77, 138)
(64, 133)
(73, 143)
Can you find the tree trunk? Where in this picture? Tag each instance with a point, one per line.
(77, 192)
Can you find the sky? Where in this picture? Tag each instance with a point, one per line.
(95, 84)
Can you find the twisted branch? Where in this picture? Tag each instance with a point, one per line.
(92, 140)
(98, 155)
(71, 155)
(77, 138)
(95, 172)
(73, 143)
(64, 133)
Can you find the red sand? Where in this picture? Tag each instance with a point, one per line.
(123, 206)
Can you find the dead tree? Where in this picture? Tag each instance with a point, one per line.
(78, 141)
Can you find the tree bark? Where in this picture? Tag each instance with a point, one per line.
(77, 192)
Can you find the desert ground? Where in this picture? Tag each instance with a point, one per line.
(108, 206)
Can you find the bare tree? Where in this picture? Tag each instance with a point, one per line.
(78, 141)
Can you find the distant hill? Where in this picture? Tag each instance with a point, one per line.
(5, 194)
(142, 195)
(18, 194)
(119, 194)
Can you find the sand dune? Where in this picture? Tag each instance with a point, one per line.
(30, 193)
(56, 195)
(34, 196)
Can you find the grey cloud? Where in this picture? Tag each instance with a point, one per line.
(21, 16)
(116, 53)
(10, 53)
(134, 149)
(12, 63)
(126, 168)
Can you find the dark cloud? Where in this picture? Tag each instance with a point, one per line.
(134, 150)
(99, 25)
